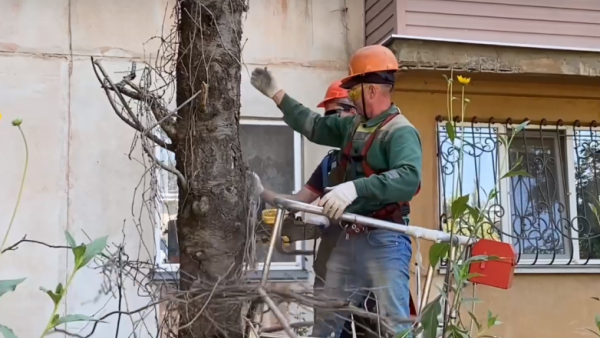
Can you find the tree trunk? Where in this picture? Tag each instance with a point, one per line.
(212, 215)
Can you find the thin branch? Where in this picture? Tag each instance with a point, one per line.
(174, 113)
(297, 325)
(25, 240)
(280, 317)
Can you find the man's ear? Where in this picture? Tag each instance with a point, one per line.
(373, 90)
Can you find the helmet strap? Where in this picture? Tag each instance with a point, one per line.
(362, 96)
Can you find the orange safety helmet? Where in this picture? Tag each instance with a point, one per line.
(371, 59)
(334, 92)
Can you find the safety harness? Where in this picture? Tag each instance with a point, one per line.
(390, 211)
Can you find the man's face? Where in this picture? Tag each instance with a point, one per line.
(342, 111)
(370, 92)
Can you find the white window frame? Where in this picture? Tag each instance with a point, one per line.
(164, 196)
(542, 265)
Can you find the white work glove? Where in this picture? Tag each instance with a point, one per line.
(338, 199)
(263, 80)
(318, 220)
(258, 187)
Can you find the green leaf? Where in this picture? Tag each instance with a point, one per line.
(456, 272)
(429, 318)
(57, 320)
(437, 252)
(404, 334)
(74, 318)
(594, 332)
(54, 320)
(473, 275)
(59, 289)
(9, 285)
(6, 332)
(598, 322)
(459, 206)
(79, 253)
(456, 332)
(92, 249)
(474, 213)
(492, 320)
(517, 163)
(70, 240)
(493, 194)
(475, 321)
(520, 127)
(451, 131)
(54, 296)
(514, 173)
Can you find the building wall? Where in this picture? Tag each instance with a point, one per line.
(555, 303)
(557, 23)
(80, 178)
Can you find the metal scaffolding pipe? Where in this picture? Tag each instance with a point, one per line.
(410, 230)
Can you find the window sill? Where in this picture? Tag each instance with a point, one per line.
(524, 269)
(283, 276)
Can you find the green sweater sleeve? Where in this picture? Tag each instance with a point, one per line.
(400, 183)
(323, 130)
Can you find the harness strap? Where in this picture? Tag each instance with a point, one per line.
(326, 168)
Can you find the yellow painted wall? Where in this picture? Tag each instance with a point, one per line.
(540, 305)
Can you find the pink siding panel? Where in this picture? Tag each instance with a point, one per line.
(380, 20)
(560, 23)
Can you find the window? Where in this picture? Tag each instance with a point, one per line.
(549, 217)
(273, 151)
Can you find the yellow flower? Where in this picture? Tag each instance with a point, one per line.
(0, 116)
(464, 80)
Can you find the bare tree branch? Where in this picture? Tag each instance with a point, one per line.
(134, 121)
(131, 119)
(280, 317)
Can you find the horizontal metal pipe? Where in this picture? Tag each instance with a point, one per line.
(410, 230)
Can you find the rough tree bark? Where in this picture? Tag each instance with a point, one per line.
(212, 214)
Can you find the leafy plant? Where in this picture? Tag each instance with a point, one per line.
(83, 254)
(468, 219)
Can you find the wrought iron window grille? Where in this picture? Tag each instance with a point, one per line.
(550, 217)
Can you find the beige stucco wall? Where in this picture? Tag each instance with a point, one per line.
(537, 305)
(79, 175)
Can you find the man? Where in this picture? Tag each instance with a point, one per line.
(336, 103)
(379, 173)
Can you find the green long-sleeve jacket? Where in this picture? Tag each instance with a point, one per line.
(395, 153)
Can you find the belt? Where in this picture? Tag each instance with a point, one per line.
(396, 217)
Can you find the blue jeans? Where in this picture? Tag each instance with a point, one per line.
(376, 261)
